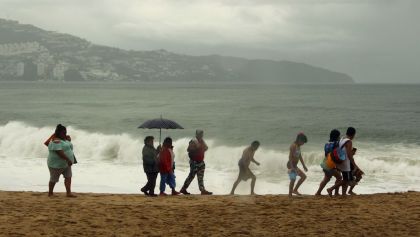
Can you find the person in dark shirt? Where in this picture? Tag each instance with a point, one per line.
(150, 166)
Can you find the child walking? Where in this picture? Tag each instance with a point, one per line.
(295, 155)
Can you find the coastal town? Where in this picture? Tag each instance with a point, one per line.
(28, 53)
(51, 56)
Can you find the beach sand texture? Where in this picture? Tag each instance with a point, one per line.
(34, 214)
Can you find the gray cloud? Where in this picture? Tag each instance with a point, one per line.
(373, 41)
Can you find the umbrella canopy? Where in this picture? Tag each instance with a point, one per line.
(159, 123)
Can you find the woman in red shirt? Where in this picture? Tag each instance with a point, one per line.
(166, 168)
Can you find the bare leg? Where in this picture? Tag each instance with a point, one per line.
(234, 186)
(302, 178)
(67, 184)
(351, 190)
(254, 179)
(322, 184)
(336, 191)
(344, 188)
(51, 188)
(337, 181)
(292, 183)
(354, 183)
(336, 186)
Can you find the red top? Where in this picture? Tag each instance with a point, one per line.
(165, 160)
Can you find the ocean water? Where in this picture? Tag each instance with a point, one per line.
(103, 119)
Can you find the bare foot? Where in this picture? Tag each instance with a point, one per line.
(317, 194)
(330, 192)
(296, 192)
(352, 193)
(70, 195)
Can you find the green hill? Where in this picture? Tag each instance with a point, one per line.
(30, 53)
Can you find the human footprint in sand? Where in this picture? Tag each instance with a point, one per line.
(60, 159)
(244, 172)
(295, 156)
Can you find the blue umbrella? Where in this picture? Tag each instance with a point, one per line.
(160, 123)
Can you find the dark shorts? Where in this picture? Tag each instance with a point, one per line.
(245, 173)
(330, 173)
(347, 175)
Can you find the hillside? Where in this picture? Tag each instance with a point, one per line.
(31, 53)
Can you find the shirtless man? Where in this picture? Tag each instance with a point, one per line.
(244, 172)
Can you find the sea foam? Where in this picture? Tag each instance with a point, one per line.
(112, 163)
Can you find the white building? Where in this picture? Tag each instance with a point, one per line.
(20, 69)
(59, 70)
(21, 48)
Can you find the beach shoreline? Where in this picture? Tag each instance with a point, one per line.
(94, 214)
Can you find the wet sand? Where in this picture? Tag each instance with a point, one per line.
(35, 214)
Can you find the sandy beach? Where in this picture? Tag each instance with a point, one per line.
(35, 214)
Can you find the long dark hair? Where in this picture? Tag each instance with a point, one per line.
(58, 130)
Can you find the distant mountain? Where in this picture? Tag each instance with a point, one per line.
(30, 53)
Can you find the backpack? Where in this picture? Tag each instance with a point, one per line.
(329, 147)
(338, 155)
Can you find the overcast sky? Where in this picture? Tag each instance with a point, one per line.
(371, 40)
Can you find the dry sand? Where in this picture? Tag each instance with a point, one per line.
(34, 214)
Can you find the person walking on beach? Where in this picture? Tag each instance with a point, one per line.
(60, 159)
(295, 155)
(166, 168)
(346, 147)
(150, 166)
(357, 174)
(244, 172)
(327, 165)
(196, 149)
